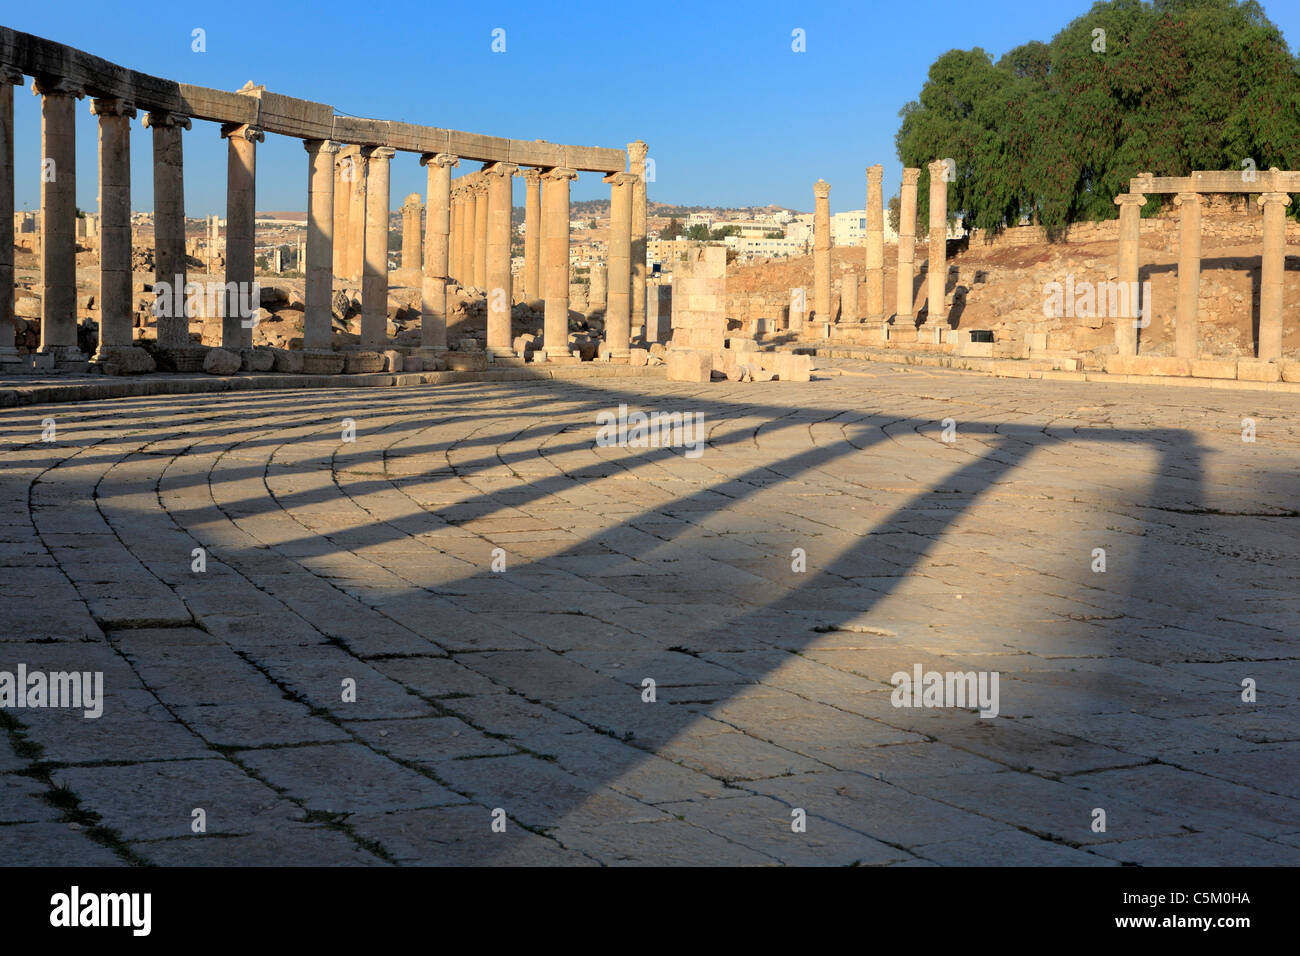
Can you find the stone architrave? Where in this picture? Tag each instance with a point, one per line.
(169, 223)
(905, 313)
(1187, 334)
(555, 200)
(1272, 274)
(1130, 237)
(58, 229)
(433, 285)
(240, 311)
(822, 251)
(318, 292)
(498, 178)
(875, 242)
(374, 278)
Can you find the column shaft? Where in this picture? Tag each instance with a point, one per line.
(8, 80)
(480, 235)
(114, 222)
(339, 252)
(437, 237)
(875, 261)
(58, 234)
(321, 210)
(374, 277)
(822, 251)
(356, 174)
(618, 310)
(170, 270)
(1272, 274)
(1186, 336)
(636, 155)
(1130, 237)
(241, 306)
(936, 302)
(533, 240)
(555, 197)
(497, 258)
(905, 313)
(411, 252)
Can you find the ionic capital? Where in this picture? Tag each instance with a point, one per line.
(875, 174)
(911, 176)
(1130, 199)
(1266, 198)
(1189, 197)
(448, 160)
(56, 86)
(242, 131)
(111, 106)
(164, 118)
(314, 146)
(500, 169)
(556, 173)
(11, 76)
(621, 179)
(382, 153)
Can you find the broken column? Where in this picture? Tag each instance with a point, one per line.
(555, 200)
(1272, 274)
(636, 165)
(1130, 237)
(533, 238)
(374, 277)
(618, 310)
(411, 253)
(169, 224)
(319, 282)
(1189, 274)
(936, 301)
(433, 285)
(598, 291)
(58, 234)
(875, 262)
(822, 251)
(905, 314)
(497, 258)
(241, 306)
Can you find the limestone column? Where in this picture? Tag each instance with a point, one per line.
(499, 178)
(480, 234)
(240, 311)
(555, 197)
(936, 299)
(469, 211)
(636, 156)
(849, 297)
(1186, 336)
(1272, 274)
(341, 197)
(169, 224)
(411, 232)
(114, 222)
(321, 207)
(533, 237)
(453, 231)
(437, 236)
(822, 251)
(356, 176)
(8, 80)
(1130, 237)
(905, 313)
(618, 310)
(599, 291)
(875, 245)
(58, 233)
(374, 278)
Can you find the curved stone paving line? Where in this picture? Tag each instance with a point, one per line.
(371, 561)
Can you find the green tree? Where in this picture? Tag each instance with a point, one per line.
(698, 232)
(719, 234)
(671, 231)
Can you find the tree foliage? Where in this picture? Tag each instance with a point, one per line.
(1054, 131)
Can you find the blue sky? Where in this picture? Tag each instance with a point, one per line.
(732, 115)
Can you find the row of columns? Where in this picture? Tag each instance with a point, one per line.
(1187, 330)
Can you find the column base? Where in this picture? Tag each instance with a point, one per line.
(182, 358)
(123, 360)
(322, 362)
(496, 352)
(62, 358)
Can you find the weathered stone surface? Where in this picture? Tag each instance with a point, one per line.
(356, 362)
(1257, 370)
(466, 361)
(222, 362)
(257, 360)
(689, 365)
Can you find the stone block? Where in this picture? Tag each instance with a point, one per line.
(288, 361)
(1147, 365)
(793, 368)
(393, 361)
(466, 361)
(257, 360)
(362, 363)
(222, 362)
(1214, 368)
(639, 357)
(322, 363)
(1257, 370)
(689, 365)
(124, 360)
(1290, 371)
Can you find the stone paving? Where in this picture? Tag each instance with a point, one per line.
(369, 564)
